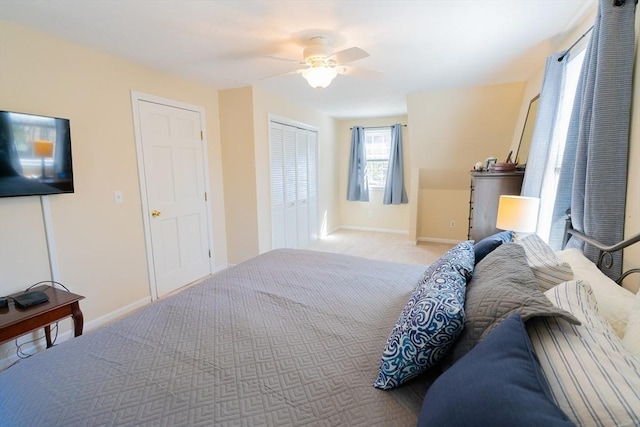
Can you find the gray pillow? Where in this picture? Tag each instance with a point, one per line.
(502, 284)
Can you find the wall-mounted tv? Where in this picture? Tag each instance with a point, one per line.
(35, 155)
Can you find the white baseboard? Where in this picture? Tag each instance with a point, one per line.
(377, 230)
(8, 354)
(221, 268)
(114, 315)
(437, 240)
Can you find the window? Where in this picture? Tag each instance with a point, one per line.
(556, 150)
(378, 147)
(27, 131)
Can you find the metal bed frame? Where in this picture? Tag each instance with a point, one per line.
(605, 258)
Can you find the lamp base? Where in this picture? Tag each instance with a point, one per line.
(517, 236)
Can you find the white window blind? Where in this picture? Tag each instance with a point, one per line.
(377, 146)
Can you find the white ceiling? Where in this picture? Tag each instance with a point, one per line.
(419, 45)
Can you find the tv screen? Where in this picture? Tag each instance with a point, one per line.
(35, 155)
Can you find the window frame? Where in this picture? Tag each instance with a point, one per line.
(369, 133)
(555, 155)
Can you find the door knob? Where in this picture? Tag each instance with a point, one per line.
(155, 213)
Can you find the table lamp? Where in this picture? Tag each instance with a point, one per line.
(518, 214)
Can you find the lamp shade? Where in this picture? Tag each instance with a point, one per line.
(518, 213)
(43, 148)
(319, 77)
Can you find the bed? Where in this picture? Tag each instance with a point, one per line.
(295, 337)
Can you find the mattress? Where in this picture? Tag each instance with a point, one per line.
(291, 337)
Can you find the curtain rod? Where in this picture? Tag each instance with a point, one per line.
(573, 45)
(616, 3)
(378, 127)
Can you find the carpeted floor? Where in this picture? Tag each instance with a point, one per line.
(381, 246)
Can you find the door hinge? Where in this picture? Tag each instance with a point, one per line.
(205, 197)
(209, 253)
(201, 136)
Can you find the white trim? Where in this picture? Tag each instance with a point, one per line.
(221, 268)
(290, 122)
(437, 240)
(387, 230)
(136, 97)
(281, 120)
(333, 230)
(379, 230)
(50, 237)
(114, 315)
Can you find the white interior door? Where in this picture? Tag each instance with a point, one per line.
(174, 174)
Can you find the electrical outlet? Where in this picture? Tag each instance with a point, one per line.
(452, 224)
(370, 214)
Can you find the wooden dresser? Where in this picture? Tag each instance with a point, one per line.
(486, 188)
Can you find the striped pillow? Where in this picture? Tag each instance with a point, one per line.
(593, 378)
(614, 301)
(631, 339)
(546, 266)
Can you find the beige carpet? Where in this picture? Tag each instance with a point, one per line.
(381, 246)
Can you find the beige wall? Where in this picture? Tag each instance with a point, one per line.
(239, 159)
(449, 132)
(392, 218)
(100, 244)
(244, 119)
(438, 208)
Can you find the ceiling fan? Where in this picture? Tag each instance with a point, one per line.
(322, 65)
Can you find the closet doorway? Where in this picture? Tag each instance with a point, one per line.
(294, 184)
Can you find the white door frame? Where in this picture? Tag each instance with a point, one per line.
(296, 124)
(136, 97)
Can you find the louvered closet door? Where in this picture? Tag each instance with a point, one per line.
(302, 188)
(290, 192)
(312, 160)
(293, 186)
(276, 136)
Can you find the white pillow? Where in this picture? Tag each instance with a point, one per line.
(631, 340)
(593, 378)
(614, 301)
(546, 266)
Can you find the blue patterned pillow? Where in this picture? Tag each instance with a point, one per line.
(430, 322)
(460, 258)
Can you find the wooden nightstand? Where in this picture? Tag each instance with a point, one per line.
(15, 321)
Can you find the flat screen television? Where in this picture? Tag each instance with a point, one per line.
(35, 155)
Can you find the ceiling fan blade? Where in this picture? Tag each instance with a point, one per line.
(282, 58)
(360, 72)
(286, 73)
(348, 55)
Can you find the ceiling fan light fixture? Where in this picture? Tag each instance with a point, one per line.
(319, 77)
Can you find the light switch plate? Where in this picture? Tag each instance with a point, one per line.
(118, 197)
